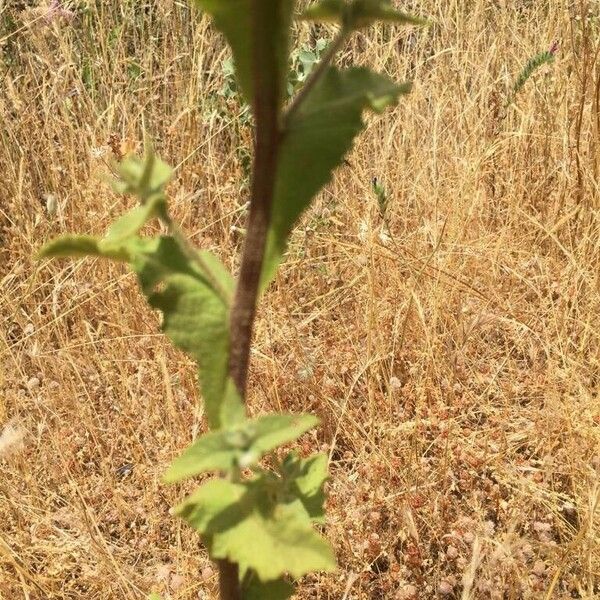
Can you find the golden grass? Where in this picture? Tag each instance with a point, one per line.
(454, 362)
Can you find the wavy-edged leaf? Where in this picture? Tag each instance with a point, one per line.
(317, 138)
(244, 524)
(236, 20)
(359, 13)
(145, 177)
(193, 299)
(131, 222)
(304, 480)
(195, 318)
(242, 445)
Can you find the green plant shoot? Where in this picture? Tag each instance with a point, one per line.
(257, 523)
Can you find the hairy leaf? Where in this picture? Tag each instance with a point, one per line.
(76, 246)
(244, 523)
(242, 445)
(196, 318)
(305, 479)
(145, 177)
(192, 297)
(131, 222)
(359, 13)
(236, 20)
(315, 141)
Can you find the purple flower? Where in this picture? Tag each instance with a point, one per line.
(554, 48)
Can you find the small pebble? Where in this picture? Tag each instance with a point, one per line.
(539, 568)
(33, 384)
(445, 588)
(452, 552)
(395, 384)
(407, 592)
(125, 469)
(177, 582)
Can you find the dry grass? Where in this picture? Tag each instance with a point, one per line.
(454, 363)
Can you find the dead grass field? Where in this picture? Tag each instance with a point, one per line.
(454, 360)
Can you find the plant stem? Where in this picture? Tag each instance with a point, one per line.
(266, 114)
(229, 587)
(266, 106)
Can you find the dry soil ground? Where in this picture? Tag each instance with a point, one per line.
(451, 354)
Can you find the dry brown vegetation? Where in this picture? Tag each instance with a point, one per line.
(453, 359)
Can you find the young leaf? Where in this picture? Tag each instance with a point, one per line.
(316, 139)
(358, 14)
(145, 177)
(229, 515)
(131, 222)
(305, 479)
(236, 21)
(242, 445)
(75, 246)
(255, 589)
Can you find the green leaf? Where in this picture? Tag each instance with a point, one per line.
(304, 480)
(195, 318)
(213, 268)
(193, 298)
(153, 596)
(71, 245)
(85, 245)
(359, 13)
(145, 177)
(316, 139)
(242, 445)
(131, 222)
(244, 523)
(236, 20)
(279, 589)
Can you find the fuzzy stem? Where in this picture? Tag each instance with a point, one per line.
(266, 105)
(266, 114)
(229, 587)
